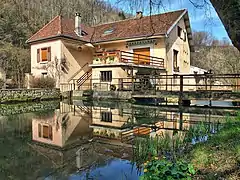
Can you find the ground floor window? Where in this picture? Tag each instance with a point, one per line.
(106, 76)
(106, 116)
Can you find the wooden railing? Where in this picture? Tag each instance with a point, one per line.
(84, 78)
(112, 57)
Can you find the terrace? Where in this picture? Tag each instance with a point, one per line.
(123, 58)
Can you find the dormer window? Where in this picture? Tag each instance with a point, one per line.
(109, 31)
(44, 54)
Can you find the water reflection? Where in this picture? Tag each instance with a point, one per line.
(62, 126)
(81, 139)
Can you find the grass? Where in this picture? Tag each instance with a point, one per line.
(219, 157)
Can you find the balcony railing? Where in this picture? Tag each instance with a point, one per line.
(115, 57)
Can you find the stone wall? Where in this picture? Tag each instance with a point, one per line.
(19, 108)
(22, 95)
(120, 95)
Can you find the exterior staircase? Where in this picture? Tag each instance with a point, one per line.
(86, 110)
(84, 78)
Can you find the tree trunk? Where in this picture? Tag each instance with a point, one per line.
(229, 13)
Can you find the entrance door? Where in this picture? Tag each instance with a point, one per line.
(142, 56)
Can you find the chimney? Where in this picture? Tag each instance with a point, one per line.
(78, 29)
(139, 15)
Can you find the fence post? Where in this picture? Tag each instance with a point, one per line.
(132, 80)
(180, 100)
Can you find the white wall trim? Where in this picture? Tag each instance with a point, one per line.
(176, 22)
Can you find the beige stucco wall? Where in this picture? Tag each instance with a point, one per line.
(175, 42)
(38, 68)
(62, 49)
(117, 72)
(76, 60)
(57, 134)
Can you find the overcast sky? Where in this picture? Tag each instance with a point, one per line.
(202, 19)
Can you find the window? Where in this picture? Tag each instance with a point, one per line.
(109, 31)
(179, 31)
(175, 61)
(106, 116)
(44, 54)
(106, 76)
(45, 131)
(184, 36)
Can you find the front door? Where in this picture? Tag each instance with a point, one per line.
(142, 56)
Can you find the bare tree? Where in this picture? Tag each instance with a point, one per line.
(202, 38)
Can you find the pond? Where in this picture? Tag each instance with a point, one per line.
(88, 140)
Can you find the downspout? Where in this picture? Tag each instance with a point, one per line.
(166, 59)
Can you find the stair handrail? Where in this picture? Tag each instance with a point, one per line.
(73, 76)
(83, 76)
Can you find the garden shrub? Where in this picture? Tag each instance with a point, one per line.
(1, 83)
(42, 82)
(165, 169)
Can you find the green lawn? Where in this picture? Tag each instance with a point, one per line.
(219, 157)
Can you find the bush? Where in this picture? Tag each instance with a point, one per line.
(42, 82)
(1, 83)
(164, 169)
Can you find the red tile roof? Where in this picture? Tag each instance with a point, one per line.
(125, 29)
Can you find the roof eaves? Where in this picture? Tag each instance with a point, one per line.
(131, 38)
(54, 37)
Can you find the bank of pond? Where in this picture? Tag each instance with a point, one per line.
(117, 140)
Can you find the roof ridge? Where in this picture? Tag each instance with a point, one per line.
(43, 27)
(134, 18)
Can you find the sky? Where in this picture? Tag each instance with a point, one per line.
(203, 18)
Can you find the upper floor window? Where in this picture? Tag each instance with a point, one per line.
(106, 76)
(45, 131)
(44, 54)
(179, 31)
(175, 61)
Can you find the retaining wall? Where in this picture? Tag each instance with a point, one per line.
(22, 95)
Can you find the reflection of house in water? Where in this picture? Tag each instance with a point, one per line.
(62, 127)
(123, 124)
(175, 121)
(110, 122)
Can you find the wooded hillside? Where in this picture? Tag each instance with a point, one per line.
(217, 55)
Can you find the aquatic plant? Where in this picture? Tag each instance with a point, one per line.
(168, 146)
(165, 169)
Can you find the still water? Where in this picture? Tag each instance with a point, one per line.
(87, 140)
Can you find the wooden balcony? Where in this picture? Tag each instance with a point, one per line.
(127, 58)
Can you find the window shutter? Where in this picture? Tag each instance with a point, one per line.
(50, 133)
(39, 130)
(38, 55)
(49, 54)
